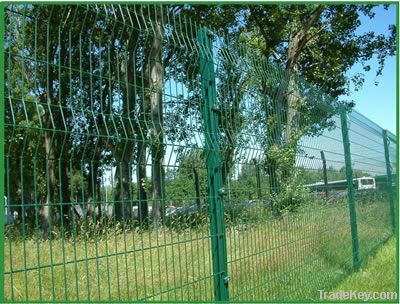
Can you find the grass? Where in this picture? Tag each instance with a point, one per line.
(289, 258)
(378, 274)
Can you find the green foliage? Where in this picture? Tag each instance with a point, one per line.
(77, 179)
(330, 38)
(292, 195)
(180, 181)
(320, 43)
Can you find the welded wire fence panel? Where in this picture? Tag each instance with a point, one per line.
(373, 204)
(104, 165)
(284, 236)
(148, 158)
(392, 152)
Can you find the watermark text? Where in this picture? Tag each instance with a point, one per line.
(357, 295)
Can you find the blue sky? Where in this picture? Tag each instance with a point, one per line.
(378, 103)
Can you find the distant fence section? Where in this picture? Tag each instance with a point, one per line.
(149, 158)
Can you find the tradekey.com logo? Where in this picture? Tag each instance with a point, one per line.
(357, 295)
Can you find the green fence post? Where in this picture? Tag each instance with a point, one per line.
(324, 172)
(258, 177)
(350, 190)
(213, 162)
(389, 180)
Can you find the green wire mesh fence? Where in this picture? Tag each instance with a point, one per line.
(148, 158)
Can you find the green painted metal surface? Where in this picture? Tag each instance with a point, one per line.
(350, 191)
(213, 162)
(389, 180)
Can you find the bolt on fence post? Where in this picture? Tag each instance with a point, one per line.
(213, 162)
(350, 190)
(389, 181)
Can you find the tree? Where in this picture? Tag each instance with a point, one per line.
(89, 93)
(156, 84)
(320, 43)
(47, 87)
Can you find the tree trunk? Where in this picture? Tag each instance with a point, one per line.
(49, 146)
(65, 190)
(297, 42)
(298, 39)
(292, 115)
(46, 210)
(141, 180)
(123, 202)
(274, 125)
(273, 112)
(227, 159)
(141, 131)
(292, 123)
(98, 197)
(157, 153)
(123, 206)
(92, 182)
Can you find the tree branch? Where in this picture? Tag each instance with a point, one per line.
(300, 38)
(314, 16)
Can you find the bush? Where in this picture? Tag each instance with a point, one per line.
(291, 195)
